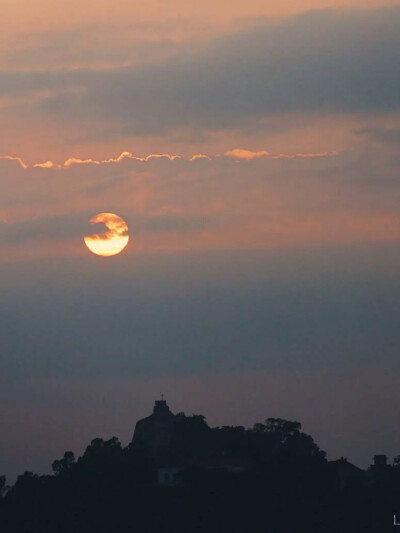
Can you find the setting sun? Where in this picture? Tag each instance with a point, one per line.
(112, 241)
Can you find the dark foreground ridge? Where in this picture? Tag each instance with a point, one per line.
(178, 475)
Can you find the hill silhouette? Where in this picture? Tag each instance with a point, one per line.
(181, 475)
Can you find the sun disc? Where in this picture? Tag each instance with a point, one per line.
(113, 240)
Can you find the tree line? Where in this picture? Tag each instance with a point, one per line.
(286, 485)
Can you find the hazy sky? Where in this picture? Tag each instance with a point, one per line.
(253, 149)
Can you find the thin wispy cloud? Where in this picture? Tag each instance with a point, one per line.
(236, 153)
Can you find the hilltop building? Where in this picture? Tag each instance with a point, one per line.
(347, 473)
(179, 443)
(155, 432)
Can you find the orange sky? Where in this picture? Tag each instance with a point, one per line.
(22, 16)
(286, 129)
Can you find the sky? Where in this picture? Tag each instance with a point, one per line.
(253, 150)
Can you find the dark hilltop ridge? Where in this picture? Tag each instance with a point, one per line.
(180, 475)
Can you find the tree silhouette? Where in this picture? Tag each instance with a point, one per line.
(3, 486)
(63, 465)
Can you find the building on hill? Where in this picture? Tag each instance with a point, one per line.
(155, 432)
(380, 462)
(380, 469)
(178, 443)
(347, 473)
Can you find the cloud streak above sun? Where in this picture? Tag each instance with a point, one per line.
(237, 153)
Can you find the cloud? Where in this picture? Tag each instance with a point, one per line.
(247, 155)
(198, 314)
(236, 153)
(85, 47)
(319, 62)
(239, 153)
(73, 226)
(124, 155)
(14, 158)
(44, 228)
(381, 134)
(46, 164)
(71, 161)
